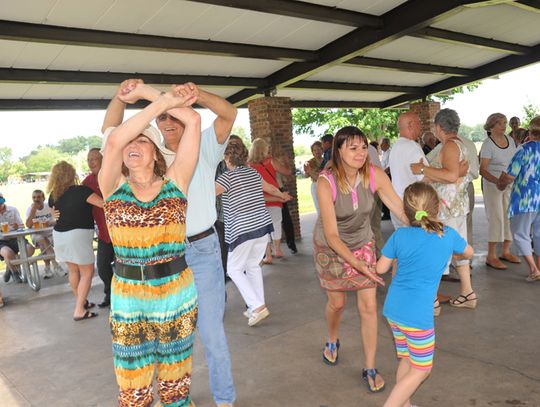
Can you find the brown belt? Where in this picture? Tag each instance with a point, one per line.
(150, 272)
(201, 235)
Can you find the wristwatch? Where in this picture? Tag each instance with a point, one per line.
(422, 170)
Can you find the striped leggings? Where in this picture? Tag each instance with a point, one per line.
(418, 345)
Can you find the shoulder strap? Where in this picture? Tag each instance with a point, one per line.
(371, 178)
(331, 180)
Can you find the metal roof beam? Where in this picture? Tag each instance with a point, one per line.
(86, 77)
(505, 64)
(334, 104)
(17, 31)
(529, 5)
(452, 37)
(408, 66)
(355, 87)
(301, 9)
(403, 20)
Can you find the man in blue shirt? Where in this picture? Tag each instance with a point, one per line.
(203, 251)
(326, 141)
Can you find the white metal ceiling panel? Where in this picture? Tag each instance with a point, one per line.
(128, 15)
(501, 22)
(70, 57)
(308, 94)
(378, 76)
(9, 51)
(37, 55)
(13, 90)
(77, 13)
(413, 49)
(31, 11)
(375, 7)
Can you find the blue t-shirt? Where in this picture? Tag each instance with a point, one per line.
(421, 260)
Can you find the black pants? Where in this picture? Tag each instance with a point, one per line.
(288, 228)
(105, 258)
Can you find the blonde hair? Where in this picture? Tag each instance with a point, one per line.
(534, 127)
(259, 151)
(347, 135)
(420, 196)
(63, 175)
(492, 120)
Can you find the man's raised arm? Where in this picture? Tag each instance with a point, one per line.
(226, 112)
(115, 111)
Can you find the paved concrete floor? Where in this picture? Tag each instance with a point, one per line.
(485, 357)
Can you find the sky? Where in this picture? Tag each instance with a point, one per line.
(23, 131)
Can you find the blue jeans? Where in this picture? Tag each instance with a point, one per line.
(204, 258)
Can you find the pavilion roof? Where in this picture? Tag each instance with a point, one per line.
(71, 54)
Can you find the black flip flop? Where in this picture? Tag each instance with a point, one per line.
(87, 315)
(88, 305)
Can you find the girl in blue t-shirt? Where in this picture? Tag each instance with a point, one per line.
(422, 252)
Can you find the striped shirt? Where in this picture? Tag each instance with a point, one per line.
(246, 217)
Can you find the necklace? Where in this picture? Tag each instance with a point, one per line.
(143, 185)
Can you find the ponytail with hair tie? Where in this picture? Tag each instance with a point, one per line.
(419, 215)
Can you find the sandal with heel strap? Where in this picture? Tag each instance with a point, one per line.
(332, 347)
(463, 301)
(372, 374)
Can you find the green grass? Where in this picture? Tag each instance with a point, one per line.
(303, 189)
(20, 195)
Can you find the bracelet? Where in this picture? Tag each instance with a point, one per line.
(422, 170)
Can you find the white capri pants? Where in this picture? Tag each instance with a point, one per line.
(460, 225)
(277, 217)
(314, 196)
(247, 257)
(496, 204)
(521, 225)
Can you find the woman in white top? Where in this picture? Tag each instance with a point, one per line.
(495, 155)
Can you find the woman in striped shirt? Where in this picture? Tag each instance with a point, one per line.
(247, 225)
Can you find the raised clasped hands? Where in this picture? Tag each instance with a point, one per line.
(131, 91)
(184, 95)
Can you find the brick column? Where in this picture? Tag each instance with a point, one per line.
(427, 111)
(270, 118)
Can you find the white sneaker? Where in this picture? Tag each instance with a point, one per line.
(59, 270)
(257, 317)
(47, 272)
(247, 313)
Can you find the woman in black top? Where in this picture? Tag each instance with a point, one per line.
(74, 231)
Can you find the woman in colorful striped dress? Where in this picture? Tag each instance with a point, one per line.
(153, 296)
(422, 252)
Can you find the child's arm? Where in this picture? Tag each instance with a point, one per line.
(467, 253)
(383, 265)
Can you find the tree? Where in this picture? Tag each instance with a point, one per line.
(5, 163)
(94, 142)
(73, 145)
(241, 132)
(531, 112)
(43, 159)
(476, 133)
(376, 123)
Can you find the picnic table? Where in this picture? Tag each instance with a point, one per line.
(30, 270)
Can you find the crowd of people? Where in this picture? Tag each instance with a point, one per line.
(163, 247)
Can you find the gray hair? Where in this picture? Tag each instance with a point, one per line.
(447, 120)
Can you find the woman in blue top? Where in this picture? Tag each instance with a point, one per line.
(524, 208)
(422, 252)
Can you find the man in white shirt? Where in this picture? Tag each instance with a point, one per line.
(9, 247)
(40, 211)
(404, 152)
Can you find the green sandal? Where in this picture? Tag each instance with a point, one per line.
(372, 374)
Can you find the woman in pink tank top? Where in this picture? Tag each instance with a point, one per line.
(344, 249)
